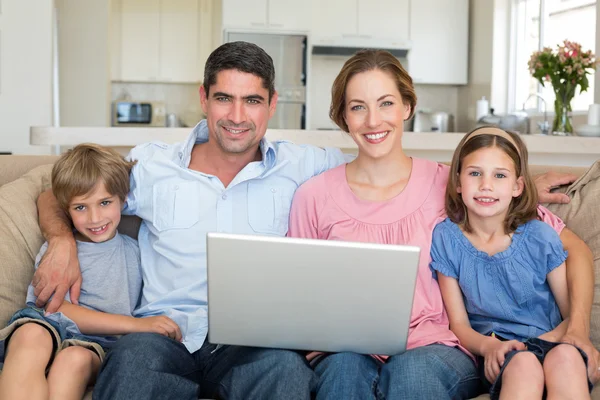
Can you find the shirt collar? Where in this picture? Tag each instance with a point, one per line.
(200, 135)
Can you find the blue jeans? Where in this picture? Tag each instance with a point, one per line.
(430, 372)
(151, 366)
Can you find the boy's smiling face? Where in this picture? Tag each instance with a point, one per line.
(96, 214)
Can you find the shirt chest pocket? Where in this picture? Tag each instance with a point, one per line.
(269, 207)
(176, 205)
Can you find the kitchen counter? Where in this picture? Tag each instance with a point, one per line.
(543, 150)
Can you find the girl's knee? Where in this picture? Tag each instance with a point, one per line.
(523, 364)
(31, 335)
(563, 356)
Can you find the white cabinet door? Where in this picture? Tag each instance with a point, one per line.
(439, 35)
(245, 14)
(179, 41)
(387, 19)
(140, 37)
(289, 15)
(332, 19)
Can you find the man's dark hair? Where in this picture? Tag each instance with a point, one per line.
(244, 57)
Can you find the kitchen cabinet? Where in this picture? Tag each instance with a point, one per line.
(159, 40)
(386, 19)
(278, 15)
(338, 18)
(439, 36)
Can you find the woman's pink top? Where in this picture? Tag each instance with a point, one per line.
(326, 208)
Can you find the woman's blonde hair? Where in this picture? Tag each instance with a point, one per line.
(363, 61)
(522, 208)
(79, 170)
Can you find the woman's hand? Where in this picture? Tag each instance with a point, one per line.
(495, 354)
(544, 183)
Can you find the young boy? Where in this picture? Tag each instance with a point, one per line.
(58, 355)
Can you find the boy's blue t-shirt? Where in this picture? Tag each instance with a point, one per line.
(111, 282)
(507, 293)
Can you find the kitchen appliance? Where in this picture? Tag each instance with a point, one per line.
(138, 113)
(289, 57)
(429, 121)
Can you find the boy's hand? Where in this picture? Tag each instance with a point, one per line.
(57, 273)
(495, 354)
(160, 324)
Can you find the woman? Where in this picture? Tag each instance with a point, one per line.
(385, 196)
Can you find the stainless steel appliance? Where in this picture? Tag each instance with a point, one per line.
(289, 56)
(138, 113)
(428, 121)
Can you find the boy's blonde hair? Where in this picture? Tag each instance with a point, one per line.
(79, 170)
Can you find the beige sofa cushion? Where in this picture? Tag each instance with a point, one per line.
(21, 237)
(582, 216)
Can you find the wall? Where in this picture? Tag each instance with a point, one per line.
(84, 59)
(481, 35)
(597, 53)
(324, 69)
(25, 72)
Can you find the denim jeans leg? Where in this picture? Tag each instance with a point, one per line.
(347, 376)
(430, 372)
(259, 374)
(148, 366)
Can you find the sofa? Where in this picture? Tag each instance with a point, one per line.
(23, 178)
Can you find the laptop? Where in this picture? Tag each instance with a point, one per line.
(307, 294)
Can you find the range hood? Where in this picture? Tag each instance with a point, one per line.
(347, 45)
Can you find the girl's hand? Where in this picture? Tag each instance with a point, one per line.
(495, 353)
(161, 324)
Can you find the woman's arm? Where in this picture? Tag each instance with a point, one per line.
(580, 281)
(92, 322)
(58, 271)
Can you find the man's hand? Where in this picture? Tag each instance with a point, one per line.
(544, 183)
(57, 272)
(495, 354)
(162, 325)
(585, 344)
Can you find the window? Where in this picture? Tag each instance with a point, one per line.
(546, 23)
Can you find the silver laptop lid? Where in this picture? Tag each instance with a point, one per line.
(310, 294)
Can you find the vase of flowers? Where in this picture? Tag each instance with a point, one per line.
(566, 69)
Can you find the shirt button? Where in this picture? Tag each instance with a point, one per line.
(176, 187)
(224, 197)
(180, 155)
(273, 190)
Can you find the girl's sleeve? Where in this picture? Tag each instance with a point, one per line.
(443, 257)
(545, 245)
(304, 212)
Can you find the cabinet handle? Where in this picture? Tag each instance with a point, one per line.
(277, 25)
(257, 23)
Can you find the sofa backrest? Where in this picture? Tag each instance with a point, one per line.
(12, 167)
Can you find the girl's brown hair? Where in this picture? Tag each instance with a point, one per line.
(77, 172)
(522, 208)
(363, 61)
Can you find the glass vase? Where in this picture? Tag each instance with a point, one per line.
(562, 125)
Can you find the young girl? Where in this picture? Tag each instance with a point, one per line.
(502, 273)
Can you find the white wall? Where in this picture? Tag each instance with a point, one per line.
(84, 62)
(25, 72)
(481, 37)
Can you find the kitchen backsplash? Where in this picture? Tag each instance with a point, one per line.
(181, 99)
(325, 69)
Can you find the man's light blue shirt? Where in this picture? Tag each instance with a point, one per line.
(179, 206)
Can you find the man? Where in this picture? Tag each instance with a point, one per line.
(225, 177)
